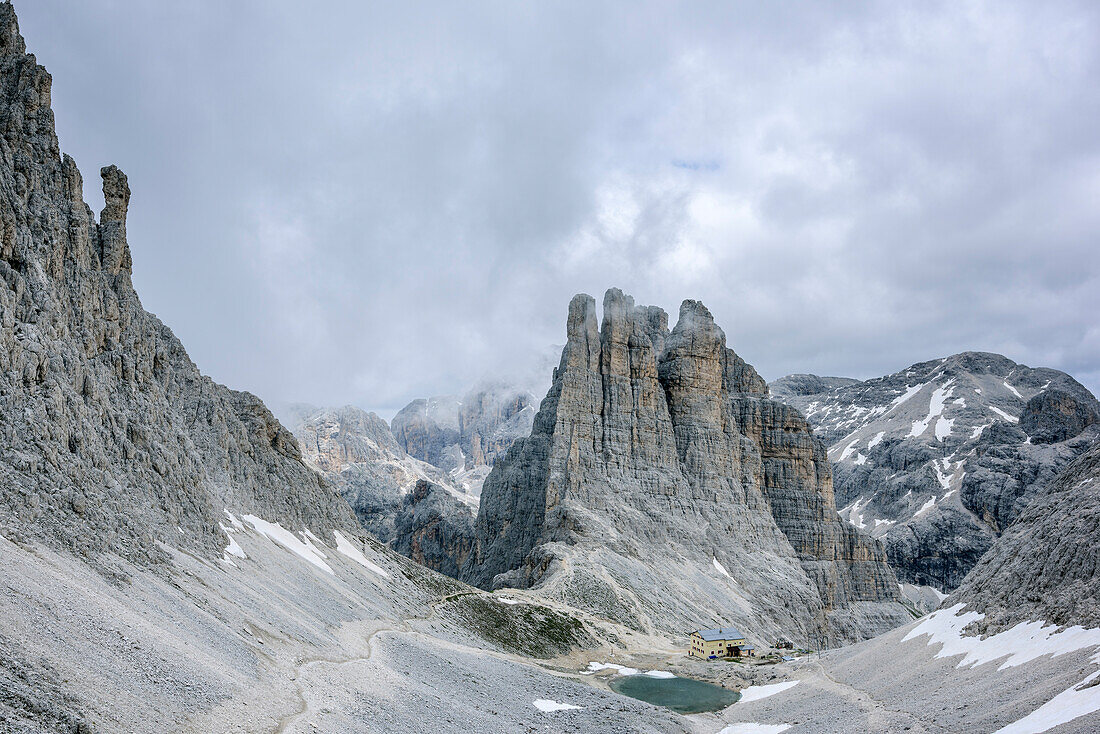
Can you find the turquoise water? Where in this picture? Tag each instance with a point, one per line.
(682, 695)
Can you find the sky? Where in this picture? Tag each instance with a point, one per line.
(368, 202)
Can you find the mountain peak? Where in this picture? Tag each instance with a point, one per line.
(646, 461)
(11, 41)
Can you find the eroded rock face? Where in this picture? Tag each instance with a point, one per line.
(1045, 564)
(662, 487)
(464, 433)
(938, 459)
(1057, 415)
(360, 457)
(434, 530)
(112, 440)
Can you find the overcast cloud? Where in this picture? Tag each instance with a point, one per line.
(368, 202)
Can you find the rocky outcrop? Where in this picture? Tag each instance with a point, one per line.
(1044, 565)
(433, 529)
(938, 459)
(1053, 416)
(358, 455)
(465, 433)
(427, 427)
(112, 441)
(661, 487)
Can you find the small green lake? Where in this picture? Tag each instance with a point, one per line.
(682, 695)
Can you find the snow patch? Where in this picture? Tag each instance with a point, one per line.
(595, 667)
(1020, 644)
(233, 549)
(1014, 390)
(944, 478)
(848, 450)
(1006, 416)
(853, 513)
(935, 409)
(909, 392)
(506, 600)
(1017, 646)
(860, 460)
(548, 706)
(720, 568)
(755, 693)
(943, 427)
(925, 507)
(301, 548)
(876, 440)
(1066, 706)
(344, 547)
(978, 430)
(311, 539)
(751, 727)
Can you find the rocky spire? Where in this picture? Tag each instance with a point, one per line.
(661, 488)
(11, 42)
(115, 253)
(582, 345)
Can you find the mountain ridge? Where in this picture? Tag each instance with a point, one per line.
(939, 458)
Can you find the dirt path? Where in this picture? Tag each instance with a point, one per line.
(403, 626)
(879, 716)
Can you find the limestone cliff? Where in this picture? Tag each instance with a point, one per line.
(434, 529)
(1045, 564)
(112, 441)
(662, 487)
(355, 451)
(464, 436)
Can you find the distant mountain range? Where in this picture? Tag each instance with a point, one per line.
(415, 484)
(937, 460)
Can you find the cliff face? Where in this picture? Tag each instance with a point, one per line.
(938, 459)
(433, 529)
(661, 487)
(461, 435)
(112, 440)
(358, 455)
(1045, 564)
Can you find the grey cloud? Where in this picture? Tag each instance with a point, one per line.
(366, 202)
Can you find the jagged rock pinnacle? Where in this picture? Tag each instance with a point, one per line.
(657, 461)
(112, 221)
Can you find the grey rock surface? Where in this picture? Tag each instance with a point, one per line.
(901, 683)
(936, 460)
(1046, 564)
(111, 440)
(433, 529)
(119, 611)
(662, 488)
(359, 456)
(468, 432)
